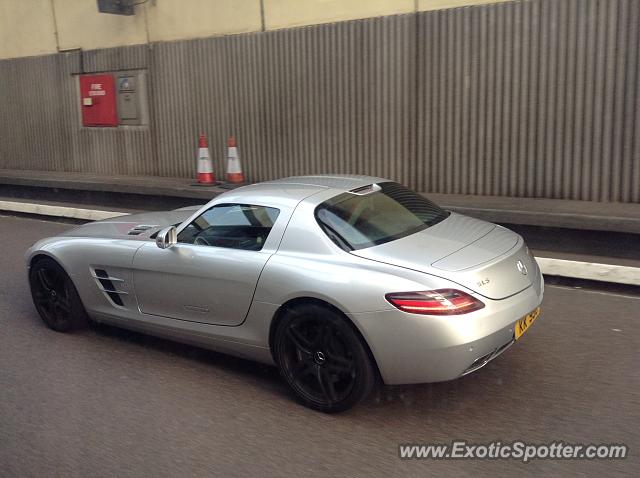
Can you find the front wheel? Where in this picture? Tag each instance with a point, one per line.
(55, 297)
(323, 359)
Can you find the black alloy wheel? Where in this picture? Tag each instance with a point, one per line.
(55, 297)
(323, 358)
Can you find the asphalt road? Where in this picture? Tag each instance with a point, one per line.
(106, 402)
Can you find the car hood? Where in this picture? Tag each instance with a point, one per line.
(476, 254)
(132, 226)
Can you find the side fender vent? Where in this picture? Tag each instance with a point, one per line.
(108, 287)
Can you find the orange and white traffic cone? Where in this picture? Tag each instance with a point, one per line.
(234, 170)
(205, 167)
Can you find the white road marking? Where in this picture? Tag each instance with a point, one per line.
(590, 271)
(58, 211)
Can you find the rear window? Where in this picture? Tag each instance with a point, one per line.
(391, 211)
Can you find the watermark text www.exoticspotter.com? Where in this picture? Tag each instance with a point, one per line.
(517, 450)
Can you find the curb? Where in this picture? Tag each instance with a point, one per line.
(553, 267)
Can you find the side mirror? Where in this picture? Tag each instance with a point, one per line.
(167, 237)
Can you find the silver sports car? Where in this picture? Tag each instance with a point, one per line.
(340, 281)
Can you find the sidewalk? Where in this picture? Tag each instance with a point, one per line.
(585, 215)
(148, 186)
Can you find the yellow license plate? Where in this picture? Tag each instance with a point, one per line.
(524, 323)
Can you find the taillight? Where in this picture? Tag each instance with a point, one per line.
(435, 302)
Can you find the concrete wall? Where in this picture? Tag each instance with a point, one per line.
(291, 13)
(171, 20)
(425, 5)
(80, 25)
(36, 27)
(26, 28)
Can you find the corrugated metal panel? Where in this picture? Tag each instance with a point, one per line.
(332, 98)
(133, 57)
(336, 98)
(35, 129)
(41, 124)
(535, 98)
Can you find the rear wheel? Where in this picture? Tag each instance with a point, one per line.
(323, 359)
(55, 297)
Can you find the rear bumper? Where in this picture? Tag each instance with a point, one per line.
(411, 348)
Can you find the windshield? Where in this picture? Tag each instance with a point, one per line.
(355, 221)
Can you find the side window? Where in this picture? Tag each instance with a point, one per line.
(235, 226)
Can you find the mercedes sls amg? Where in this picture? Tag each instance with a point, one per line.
(340, 281)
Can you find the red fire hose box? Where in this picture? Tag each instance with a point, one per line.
(98, 100)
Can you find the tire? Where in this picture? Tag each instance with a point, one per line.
(55, 297)
(323, 358)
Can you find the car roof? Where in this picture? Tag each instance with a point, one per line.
(290, 191)
(341, 182)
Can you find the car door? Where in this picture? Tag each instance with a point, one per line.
(210, 275)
